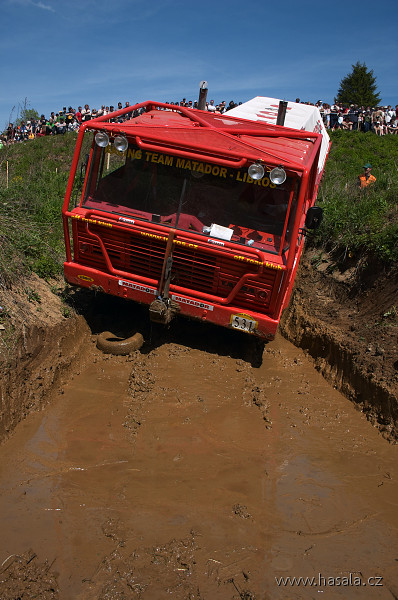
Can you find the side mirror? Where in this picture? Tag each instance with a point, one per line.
(313, 217)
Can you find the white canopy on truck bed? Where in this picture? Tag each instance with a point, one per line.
(298, 116)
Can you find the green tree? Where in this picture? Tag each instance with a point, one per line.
(359, 87)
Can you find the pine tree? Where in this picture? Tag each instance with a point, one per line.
(359, 87)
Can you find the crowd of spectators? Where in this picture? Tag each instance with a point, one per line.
(381, 120)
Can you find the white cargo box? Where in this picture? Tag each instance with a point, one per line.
(303, 117)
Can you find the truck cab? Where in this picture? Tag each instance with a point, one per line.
(193, 212)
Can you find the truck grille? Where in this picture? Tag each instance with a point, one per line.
(193, 268)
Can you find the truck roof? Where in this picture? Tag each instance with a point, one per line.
(164, 128)
(303, 117)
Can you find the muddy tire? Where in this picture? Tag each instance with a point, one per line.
(112, 344)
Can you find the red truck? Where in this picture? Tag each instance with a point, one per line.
(194, 212)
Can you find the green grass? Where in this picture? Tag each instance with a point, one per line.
(30, 208)
(358, 223)
(355, 223)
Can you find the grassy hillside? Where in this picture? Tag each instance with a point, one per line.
(354, 222)
(360, 222)
(30, 209)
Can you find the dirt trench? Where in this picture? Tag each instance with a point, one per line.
(347, 322)
(182, 471)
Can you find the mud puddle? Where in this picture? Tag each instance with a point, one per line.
(188, 474)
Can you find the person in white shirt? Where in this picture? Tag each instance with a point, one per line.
(86, 113)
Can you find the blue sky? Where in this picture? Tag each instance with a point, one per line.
(97, 52)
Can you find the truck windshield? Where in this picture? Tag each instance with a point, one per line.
(139, 184)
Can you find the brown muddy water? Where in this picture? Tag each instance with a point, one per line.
(184, 473)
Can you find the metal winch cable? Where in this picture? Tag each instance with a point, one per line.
(162, 308)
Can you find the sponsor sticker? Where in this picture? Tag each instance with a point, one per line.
(93, 221)
(195, 303)
(136, 286)
(86, 278)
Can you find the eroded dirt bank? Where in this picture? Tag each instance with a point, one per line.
(37, 346)
(183, 472)
(348, 324)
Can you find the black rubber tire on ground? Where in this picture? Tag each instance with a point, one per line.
(112, 344)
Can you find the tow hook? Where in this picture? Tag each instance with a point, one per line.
(162, 311)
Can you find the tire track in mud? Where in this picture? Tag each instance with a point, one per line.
(186, 473)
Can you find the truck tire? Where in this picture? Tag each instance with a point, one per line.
(112, 344)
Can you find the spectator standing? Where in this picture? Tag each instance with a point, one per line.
(23, 131)
(120, 118)
(334, 115)
(378, 121)
(29, 133)
(353, 116)
(10, 133)
(86, 113)
(70, 118)
(326, 115)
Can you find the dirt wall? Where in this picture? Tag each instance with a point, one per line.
(39, 344)
(349, 327)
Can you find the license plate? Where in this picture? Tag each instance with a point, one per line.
(243, 322)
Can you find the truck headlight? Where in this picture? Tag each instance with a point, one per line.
(256, 171)
(102, 139)
(278, 175)
(120, 142)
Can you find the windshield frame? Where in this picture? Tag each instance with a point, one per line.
(276, 242)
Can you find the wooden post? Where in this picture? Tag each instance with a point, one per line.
(202, 95)
(280, 119)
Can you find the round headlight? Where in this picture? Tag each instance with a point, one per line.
(102, 139)
(120, 142)
(278, 176)
(256, 171)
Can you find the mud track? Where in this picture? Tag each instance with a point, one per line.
(181, 471)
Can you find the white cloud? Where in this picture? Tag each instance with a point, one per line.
(43, 6)
(39, 4)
